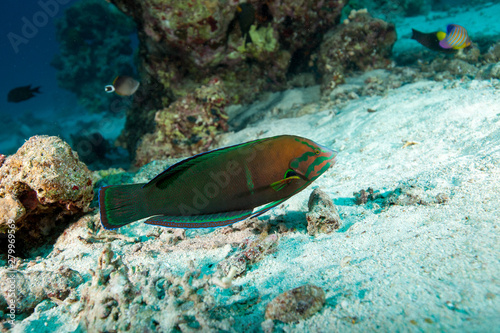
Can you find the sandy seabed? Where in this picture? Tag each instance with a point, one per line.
(423, 265)
(432, 267)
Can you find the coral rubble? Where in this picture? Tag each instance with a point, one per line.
(123, 298)
(42, 185)
(408, 193)
(253, 251)
(33, 287)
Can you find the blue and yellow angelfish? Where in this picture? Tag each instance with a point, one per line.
(455, 38)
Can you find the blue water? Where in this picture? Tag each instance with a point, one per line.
(29, 45)
(29, 63)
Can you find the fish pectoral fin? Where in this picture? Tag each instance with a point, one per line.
(280, 184)
(441, 35)
(200, 221)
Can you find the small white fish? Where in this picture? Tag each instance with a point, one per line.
(123, 86)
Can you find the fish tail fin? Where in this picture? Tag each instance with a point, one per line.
(36, 89)
(122, 204)
(415, 34)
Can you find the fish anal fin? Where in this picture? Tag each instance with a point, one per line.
(267, 207)
(200, 221)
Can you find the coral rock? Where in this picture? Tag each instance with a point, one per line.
(365, 43)
(189, 41)
(188, 126)
(40, 185)
(296, 304)
(322, 216)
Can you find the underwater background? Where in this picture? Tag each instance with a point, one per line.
(398, 232)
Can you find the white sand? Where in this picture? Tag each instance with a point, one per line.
(438, 265)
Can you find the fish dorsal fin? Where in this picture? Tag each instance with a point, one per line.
(174, 171)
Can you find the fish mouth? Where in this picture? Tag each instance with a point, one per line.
(334, 157)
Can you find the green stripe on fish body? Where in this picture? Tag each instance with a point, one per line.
(219, 187)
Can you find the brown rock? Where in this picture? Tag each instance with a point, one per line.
(40, 186)
(296, 304)
(322, 216)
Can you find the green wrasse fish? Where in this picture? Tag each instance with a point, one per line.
(219, 187)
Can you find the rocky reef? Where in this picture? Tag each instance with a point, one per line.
(188, 126)
(185, 45)
(362, 43)
(42, 187)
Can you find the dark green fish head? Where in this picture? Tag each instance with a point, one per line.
(313, 159)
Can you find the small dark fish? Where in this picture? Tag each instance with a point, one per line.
(123, 85)
(219, 187)
(245, 16)
(20, 94)
(447, 42)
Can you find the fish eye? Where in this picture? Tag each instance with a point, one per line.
(317, 151)
(290, 173)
